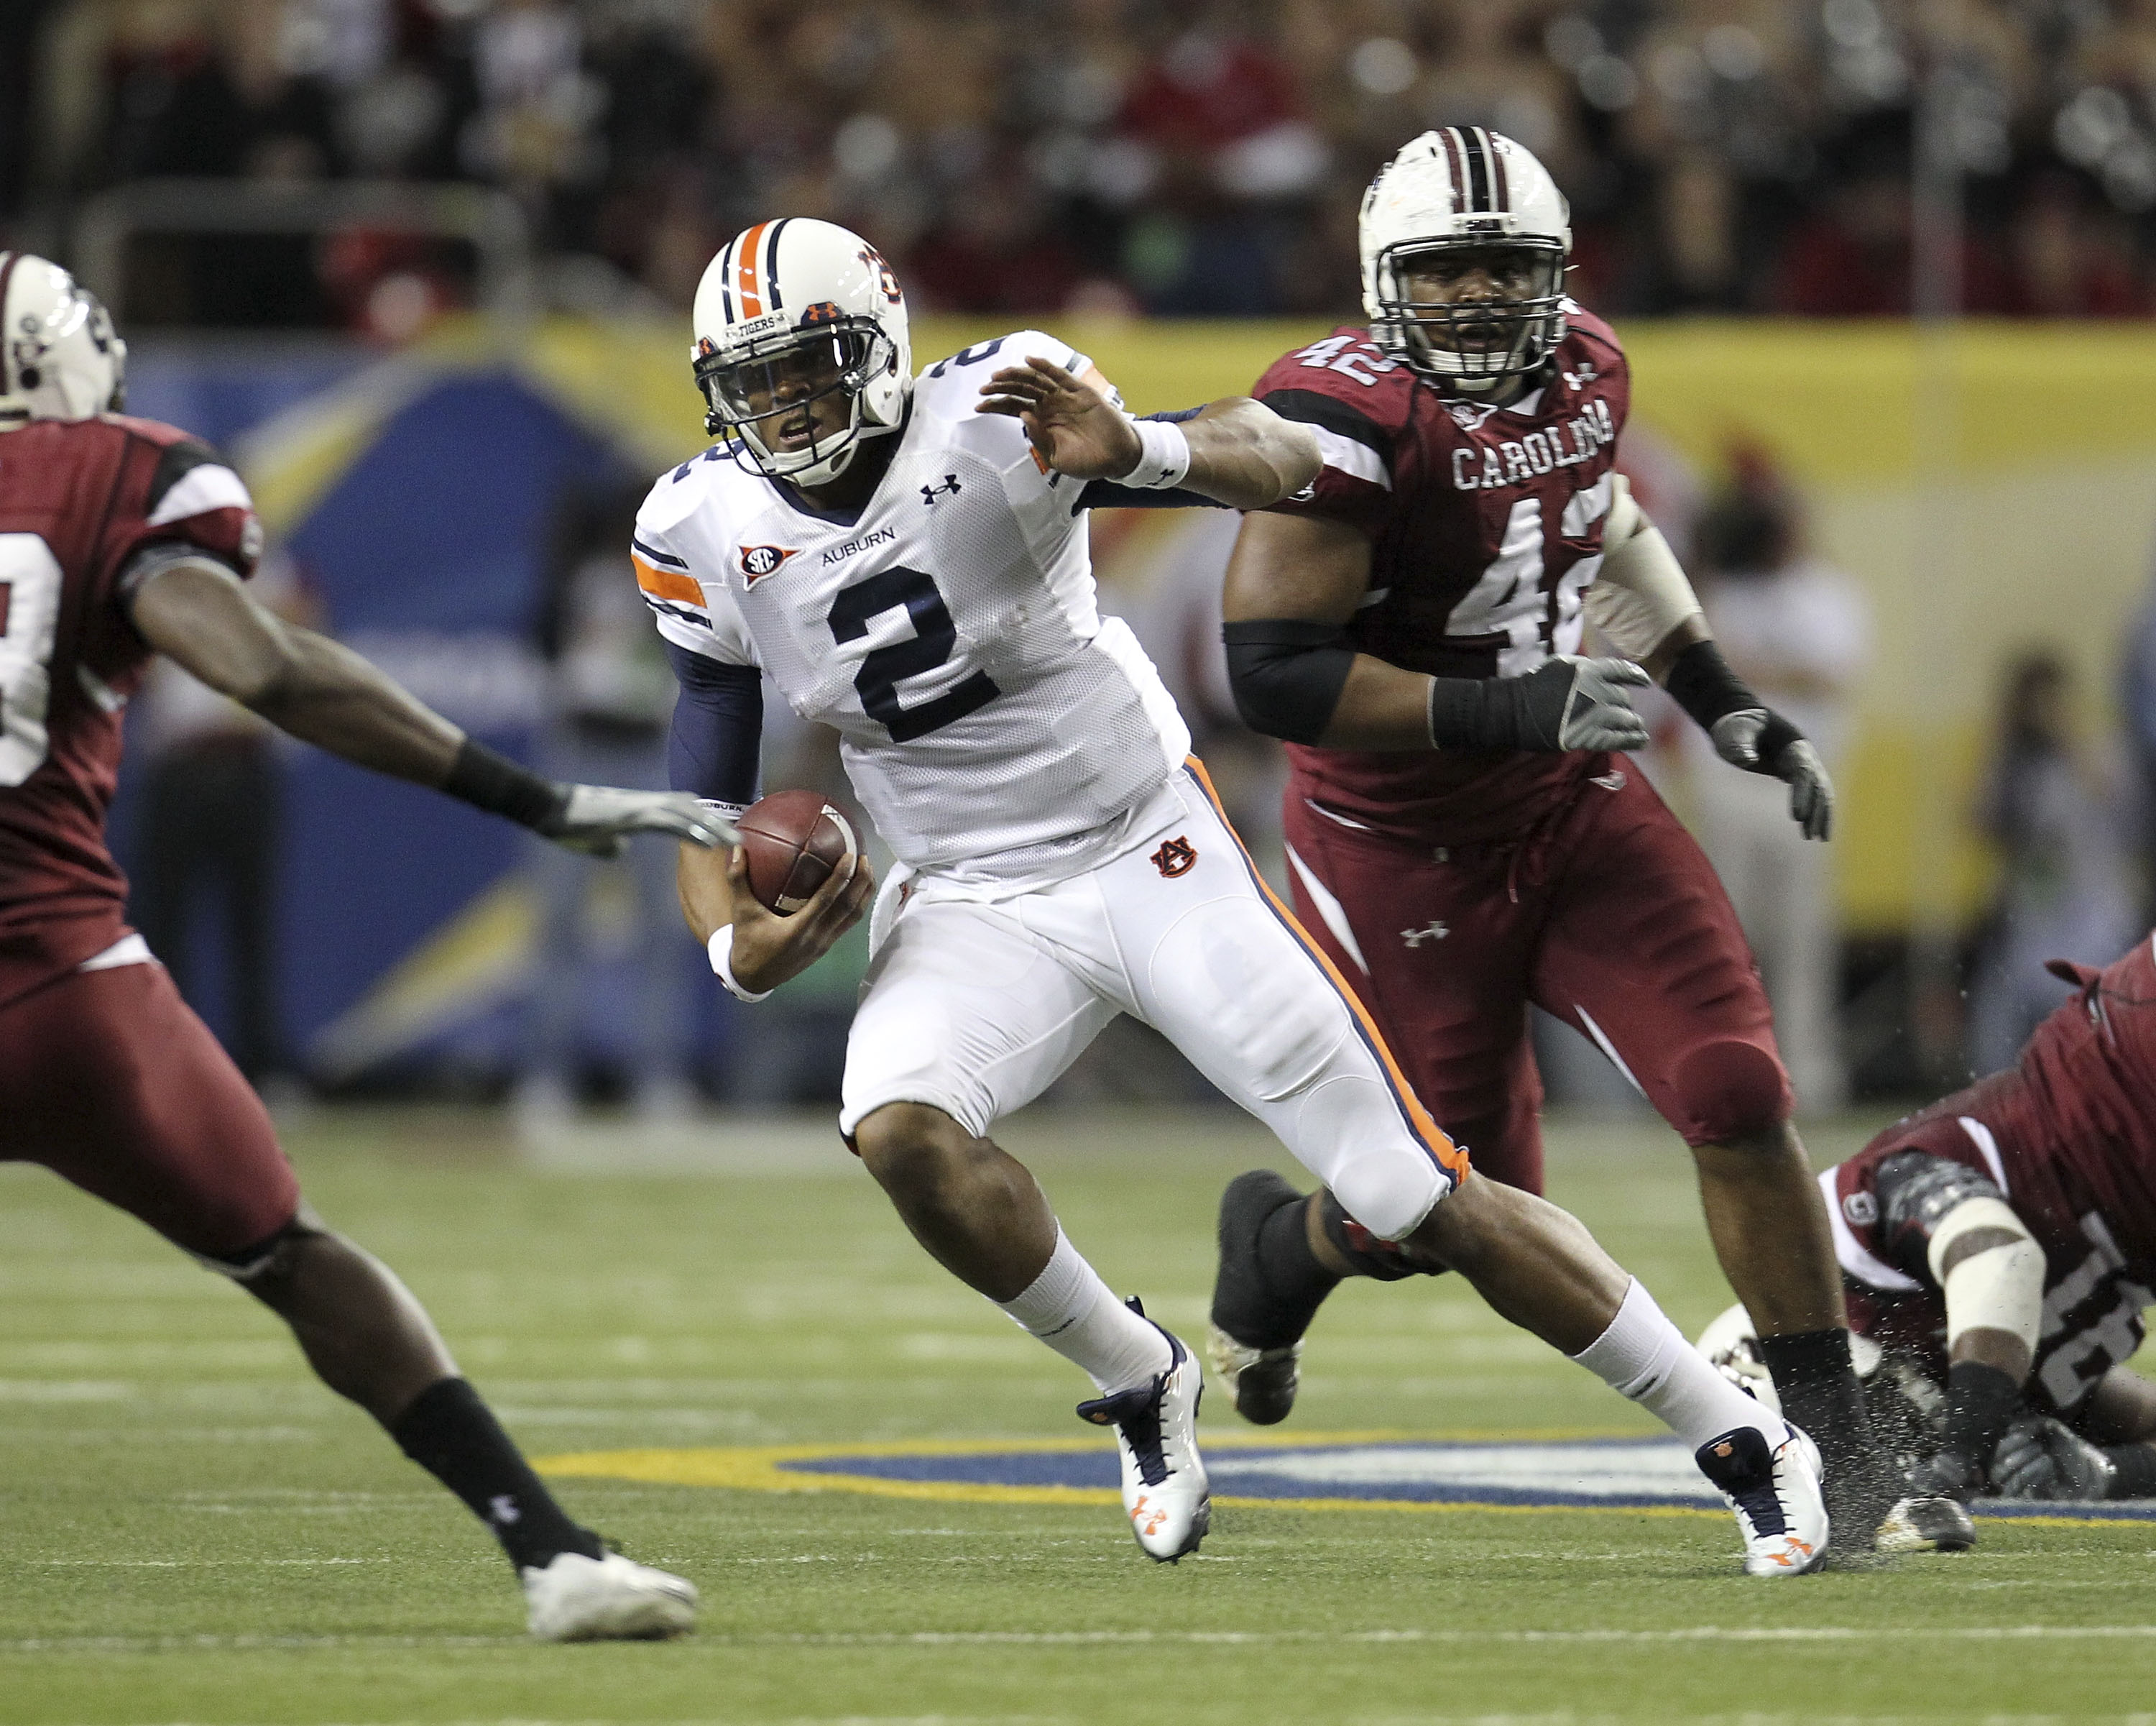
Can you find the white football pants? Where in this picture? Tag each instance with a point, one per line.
(976, 1008)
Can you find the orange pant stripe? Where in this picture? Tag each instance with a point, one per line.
(1434, 1138)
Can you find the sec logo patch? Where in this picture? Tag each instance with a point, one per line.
(759, 560)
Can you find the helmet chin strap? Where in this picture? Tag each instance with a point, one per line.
(832, 466)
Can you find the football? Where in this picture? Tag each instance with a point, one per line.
(794, 840)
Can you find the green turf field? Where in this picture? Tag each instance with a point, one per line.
(193, 1531)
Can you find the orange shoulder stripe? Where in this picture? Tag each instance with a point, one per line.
(667, 583)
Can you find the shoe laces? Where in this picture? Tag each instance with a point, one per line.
(1741, 1464)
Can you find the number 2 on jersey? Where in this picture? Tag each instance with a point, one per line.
(935, 637)
(29, 613)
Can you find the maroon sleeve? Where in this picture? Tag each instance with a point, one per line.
(1587, 338)
(186, 500)
(1346, 390)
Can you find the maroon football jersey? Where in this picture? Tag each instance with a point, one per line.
(1485, 530)
(2068, 1135)
(79, 498)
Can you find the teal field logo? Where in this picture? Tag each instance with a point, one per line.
(1374, 1471)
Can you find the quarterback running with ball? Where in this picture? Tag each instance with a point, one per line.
(1464, 834)
(907, 560)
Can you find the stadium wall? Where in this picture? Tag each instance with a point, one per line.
(1992, 488)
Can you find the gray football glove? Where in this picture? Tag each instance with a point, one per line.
(2043, 1458)
(597, 820)
(1761, 742)
(1576, 703)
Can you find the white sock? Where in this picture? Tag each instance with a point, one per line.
(1643, 1357)
(1077, 1315)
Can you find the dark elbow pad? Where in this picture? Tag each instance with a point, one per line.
(1287, 675)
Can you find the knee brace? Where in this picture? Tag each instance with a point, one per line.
(1729, 1089)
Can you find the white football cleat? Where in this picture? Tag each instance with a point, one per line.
(1165, 1493)
(1776, 1496)
(606, 1600)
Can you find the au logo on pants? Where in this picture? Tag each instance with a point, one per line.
(1176, 856)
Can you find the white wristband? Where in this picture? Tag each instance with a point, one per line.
(1163, 456)
(720, 948)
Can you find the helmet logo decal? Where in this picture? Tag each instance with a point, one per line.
(884, 280)
(824, 312)
(757, 561)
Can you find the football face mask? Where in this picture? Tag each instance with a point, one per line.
(1470, 311)
(795, 397)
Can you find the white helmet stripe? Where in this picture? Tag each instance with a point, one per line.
(770, 264)
(1478, 168)
(7, 262)
(749, 278)
(1455, 175)
(1501, 194)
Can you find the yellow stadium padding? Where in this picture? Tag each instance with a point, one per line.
(1992, 488)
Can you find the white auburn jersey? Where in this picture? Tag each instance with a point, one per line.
(996, 728)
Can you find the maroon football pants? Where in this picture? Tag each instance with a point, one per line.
(110, 1082)
(1606, 915)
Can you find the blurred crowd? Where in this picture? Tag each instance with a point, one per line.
(1179, 157)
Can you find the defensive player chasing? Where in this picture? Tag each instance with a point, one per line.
(1461, 838)
(120, 538)
(2002, 1243)
(907, 562)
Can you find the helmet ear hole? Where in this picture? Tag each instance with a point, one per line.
(32, 377)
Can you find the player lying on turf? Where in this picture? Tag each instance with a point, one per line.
(2002, 1243)
(120, 538)
(1464, 836)
(907, 562)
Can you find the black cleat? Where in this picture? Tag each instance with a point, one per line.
(1254, 1341)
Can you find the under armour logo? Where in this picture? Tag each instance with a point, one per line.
(502, 1508)
(1175, 857)
(1608, 781)
(929, 494)
(1436, 931)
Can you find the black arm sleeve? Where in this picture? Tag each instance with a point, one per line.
(1111, 495)
(718, 727)
(1287, 675)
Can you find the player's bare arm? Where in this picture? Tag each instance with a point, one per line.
(1991, 1271)
(768, 949)
(1292, 586)
(1233, 451)
(196, 612)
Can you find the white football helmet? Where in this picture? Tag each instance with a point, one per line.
(1731, 1346)
(1456, 189)
(60, 356)
(790, 311)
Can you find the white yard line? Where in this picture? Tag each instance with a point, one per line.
(1016, 1638)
